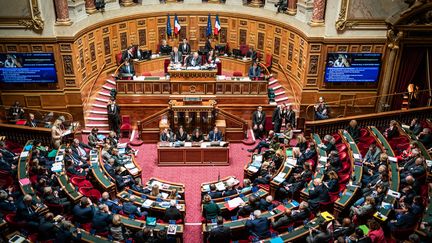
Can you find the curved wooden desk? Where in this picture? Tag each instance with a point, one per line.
(231, 64)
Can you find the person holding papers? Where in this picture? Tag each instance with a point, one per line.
(79, 150)
(263, 143)
(56, 134)
(333, 181)
(333, 162)
(93, 138)
(213, 192)
(194, 60)
(296, 182)
(318, 194)
(310, 153)
(176, 56)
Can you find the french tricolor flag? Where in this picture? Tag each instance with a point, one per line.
(177, 25)
(217, 25)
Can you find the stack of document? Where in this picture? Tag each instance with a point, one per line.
(220, 186)
(129, 165)
(24, 154)
(147, 203)
(235, 202)
(392, 159)
(252, 169)
(57, 167)
(291, 162)
(59, 158)
(232, 181)
(206, 188)
(134, 171)
(393, 193)
(280, 177)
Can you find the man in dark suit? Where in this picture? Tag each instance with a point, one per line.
(109, 167)
(302, 213)
(164, 48)
(221, 233)
(172, 213)
(194, 61)
(318, 194)
(7, 204)
(102, 219)
(167, 135)
(425, 137)
(285, 220)
(258, 122)
(84, 211)
(32, 122)
(277, 119)
(93, 140)
(79, 150)
(208, 45)
(16, 112)
(415, 126)
(127, 69)
(113, 111)
(26, 212)
(184, 47)
(9, 156)
(47, 228)
(290, 115)
(128, 54)
(254, 71)
(130, 209)
(258, 227)
(213, 192)
(176, 56)
(215, 135)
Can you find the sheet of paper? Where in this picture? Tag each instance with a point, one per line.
(206, 188)
(323, 159)
(134, 171)
(24, 154)
(392, 159)
(220, 186)
(235, 202)
(393, 193)
(356, 156)
(188, 144)
(147, 203)
(253, 169)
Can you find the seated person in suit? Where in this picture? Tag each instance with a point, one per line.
(16, 111)
(32, 122)
(129, 208)
(254, 71)
(84, 211)
(181, 135)
(285, 220)
(102, 219)
(127, 69)
(128, 54)
(220, 233)
(210, 57)
(197, 136)
(7, 204)
(167, 135)
(215, 135)
(194, 60)
(318, 194)
(210, 209)
(164, 48)
(184, 47)
(26, 212)
(172, 213)
(93, 140)
(213, 192)
(415, 126)
(259, 227)
(425, 137)
(176, 56)
(252, 54)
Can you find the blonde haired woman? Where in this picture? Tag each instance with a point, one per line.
(155, 191)
(301, 143)
(56, 134)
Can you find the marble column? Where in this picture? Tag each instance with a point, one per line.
(292, 7)
(394, 38)
(90, 6)
(127, 3)
(318, 13)
(62, 12)
(256, 3)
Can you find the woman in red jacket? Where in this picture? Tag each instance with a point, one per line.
(376, 233)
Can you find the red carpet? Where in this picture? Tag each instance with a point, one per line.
(192, 177)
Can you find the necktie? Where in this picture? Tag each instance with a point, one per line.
(128, 70)
(193, 62)
(176, 57)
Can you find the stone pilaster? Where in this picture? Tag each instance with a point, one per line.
(77, 10)
(150, 2)
(393, 37)
(256, 3)
(90, 6)
(318, 13)
(112, 5)
(304, 10)
(292, 7)
(232, 2)
(62, 12)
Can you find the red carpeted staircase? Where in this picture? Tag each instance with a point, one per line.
(96, 113)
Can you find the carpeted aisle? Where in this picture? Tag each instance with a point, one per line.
(192, 177)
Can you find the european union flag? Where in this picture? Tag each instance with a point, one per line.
(169, 30)
(209, 26)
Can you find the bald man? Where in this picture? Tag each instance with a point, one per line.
(317, 194)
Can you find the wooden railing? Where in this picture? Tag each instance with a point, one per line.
(22, 134)
(296, 99)
(148, 128)
(90, 93)
(379, 120)
(236, 127)
(40, 115)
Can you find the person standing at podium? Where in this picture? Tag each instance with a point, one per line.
(194, 60)
(176, 56)
(215, 135)
(184, 47)
(127, 69)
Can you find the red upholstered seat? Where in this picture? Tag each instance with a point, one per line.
(91, 193)
(341, 147)
(364, 132)
(367, 140)
(268, 61)
(343, 156)
(337, 138)
(244, 49)
(55, 208)
(87, 226)
(344, 178)
(264, 187)
(80, 182)
(326, 206)
(118, 58)
(126, 127)
(334, 196)
(146, 74)
(268, 123)
(237, 74)
(10, 219)
(345, 167)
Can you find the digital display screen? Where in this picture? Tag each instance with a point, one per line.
(353, 67)
(27, 68)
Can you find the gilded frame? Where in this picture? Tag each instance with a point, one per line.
(344, 21)
(31, 20)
